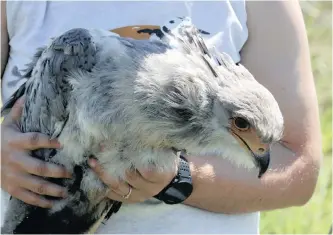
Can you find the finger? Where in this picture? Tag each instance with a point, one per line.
(116, 197)
(31, 198)
(117, 186)
(33, 140)
(38, 167)
(16, 111)
(135, 197)
(154, 176)
(103, 176)
(146, 187)
(135, 179)
(40, 186)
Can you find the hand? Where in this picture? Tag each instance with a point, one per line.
(20, 173)
(144, 184)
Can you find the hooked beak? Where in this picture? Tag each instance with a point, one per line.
(262, 162)
(262, 158)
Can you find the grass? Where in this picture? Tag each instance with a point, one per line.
(316, 216)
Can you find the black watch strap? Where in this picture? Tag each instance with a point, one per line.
(180, 188)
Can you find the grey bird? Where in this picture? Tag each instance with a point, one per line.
(142, 99)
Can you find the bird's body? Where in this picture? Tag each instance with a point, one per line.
(140, 100)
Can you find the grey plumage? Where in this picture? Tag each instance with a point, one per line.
(141, 99)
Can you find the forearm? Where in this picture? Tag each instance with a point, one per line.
(221, 187)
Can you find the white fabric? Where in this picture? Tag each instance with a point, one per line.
(31, 24)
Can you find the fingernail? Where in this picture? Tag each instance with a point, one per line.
(92, 162)
(56, 143)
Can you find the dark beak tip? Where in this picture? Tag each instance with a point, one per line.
(262, 163)
(261, 173)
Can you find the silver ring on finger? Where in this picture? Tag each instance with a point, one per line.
(129, 193)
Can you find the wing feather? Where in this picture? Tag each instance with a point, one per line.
(47, 93)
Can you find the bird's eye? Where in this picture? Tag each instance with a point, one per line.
(241, 124)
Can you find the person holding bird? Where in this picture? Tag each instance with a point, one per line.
(217, 186)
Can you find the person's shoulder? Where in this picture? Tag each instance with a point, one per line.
(269, 12)
(276, 31)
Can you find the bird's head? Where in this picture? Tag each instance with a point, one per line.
(244, 121)
(246, 112)
(203, 102)
(232, 116)
(236, 117)
(244, 118)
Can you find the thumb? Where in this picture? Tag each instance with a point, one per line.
(16, 111)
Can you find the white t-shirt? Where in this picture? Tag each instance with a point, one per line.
(32, 24)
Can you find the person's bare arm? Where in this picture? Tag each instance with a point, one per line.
(277, 54)
(4, 38)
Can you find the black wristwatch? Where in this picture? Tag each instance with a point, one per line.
(180, 188)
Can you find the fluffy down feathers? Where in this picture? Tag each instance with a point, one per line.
(141, 99)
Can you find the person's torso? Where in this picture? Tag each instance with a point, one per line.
(32, 24)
